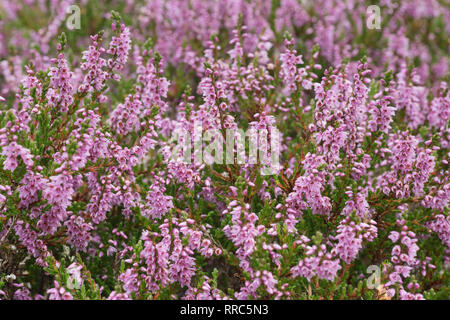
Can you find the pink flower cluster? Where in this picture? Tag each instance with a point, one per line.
(90, 188)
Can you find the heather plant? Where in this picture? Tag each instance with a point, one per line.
(99, 198)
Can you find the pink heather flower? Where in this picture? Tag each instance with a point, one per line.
(308, 189)
(58, 293)
(87, 167)
(404, 259)
(441, 225)
(93, 63)
(394, 236)
(290, 73)
(237, 51)
(60, 93)
(78, 232)
(205, 292)
(439, 200)
(119, 48)
(129, 278)
(126, 117)
(22, 293)
(269, 281)
(158, 204)
(404, 295)
(242, 231)
(317, 263)
(59, 190)
(403, 147)
(154, 86)
(118, 296)
(439, 111)
(184, 173)
(381, 115)
(350, 236)
(29, 187)
(29, 238)
(12, 151)
(425, 166)
(50, 221)
(74, 271)
(357, 203)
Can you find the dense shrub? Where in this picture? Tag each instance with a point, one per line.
(95, 206)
